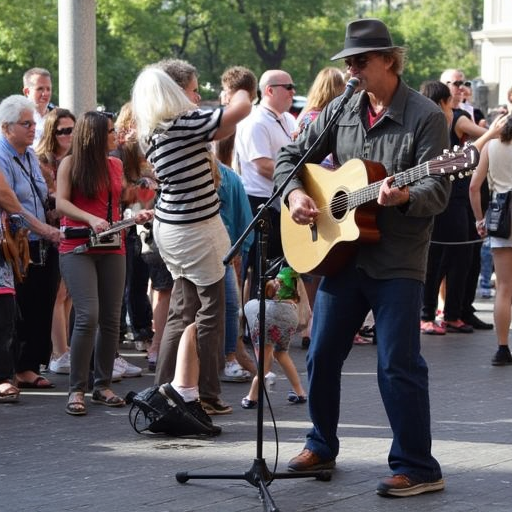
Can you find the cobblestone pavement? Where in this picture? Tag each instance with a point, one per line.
(52, 462)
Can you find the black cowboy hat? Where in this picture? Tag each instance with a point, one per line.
(363, 36)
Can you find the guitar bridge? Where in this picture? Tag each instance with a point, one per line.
(314, 231)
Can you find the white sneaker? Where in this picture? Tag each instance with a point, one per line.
(125, 368)
(116, 376)
(233, 372)
(270, 378)
(61, 364)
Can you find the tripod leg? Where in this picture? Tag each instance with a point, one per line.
(265, 496)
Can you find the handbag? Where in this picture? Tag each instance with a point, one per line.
(151, 411)
(498, 216)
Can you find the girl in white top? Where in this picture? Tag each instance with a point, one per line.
(496, 164)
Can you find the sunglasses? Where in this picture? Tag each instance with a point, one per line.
(64, 131)
(288, 87)
(460, 83)
(358, 61)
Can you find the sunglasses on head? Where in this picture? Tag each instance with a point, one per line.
(64, 131)
(460, 83)
(288, 87)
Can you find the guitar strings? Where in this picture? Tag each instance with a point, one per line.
(351, 200)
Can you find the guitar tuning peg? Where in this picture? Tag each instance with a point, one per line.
(452, 177)
(446, 151)
(461, 175)
(456, 148)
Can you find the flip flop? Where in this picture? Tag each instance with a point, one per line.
(38, 383)
(10, 395)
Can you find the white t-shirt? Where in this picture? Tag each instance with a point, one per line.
(260, 135)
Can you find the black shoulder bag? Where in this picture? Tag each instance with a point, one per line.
(498, 216)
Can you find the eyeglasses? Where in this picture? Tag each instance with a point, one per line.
(460, 83)
(64, 131)
(288, 87)
(27, 124)
(358, 61)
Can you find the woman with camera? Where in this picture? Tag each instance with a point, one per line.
(89, 193)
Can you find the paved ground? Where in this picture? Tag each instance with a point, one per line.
(52, 462)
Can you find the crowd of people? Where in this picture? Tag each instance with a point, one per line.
(108, 206)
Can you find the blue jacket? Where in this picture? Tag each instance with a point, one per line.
(235, 209)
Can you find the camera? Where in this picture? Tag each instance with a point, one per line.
(112, 241)
(71, 233)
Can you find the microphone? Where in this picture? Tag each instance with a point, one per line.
(350, 89)
(340, 101)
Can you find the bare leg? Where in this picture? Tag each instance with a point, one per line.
(289, 369)
(186, 374)
(160, 312)
(267, 363)
(60, 321)
(243, 357)
(503, 266)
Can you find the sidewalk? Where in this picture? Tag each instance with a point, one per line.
(52, 462)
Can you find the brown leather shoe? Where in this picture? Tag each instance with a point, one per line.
(309, 461)
(403, 486)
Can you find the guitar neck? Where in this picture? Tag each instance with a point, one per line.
(371, 192)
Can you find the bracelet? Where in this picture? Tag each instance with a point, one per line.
(480, 223)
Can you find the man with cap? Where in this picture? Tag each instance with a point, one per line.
(387, 122)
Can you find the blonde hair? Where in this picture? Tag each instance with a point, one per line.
(124, 120)
(156, 101)
(329, 83)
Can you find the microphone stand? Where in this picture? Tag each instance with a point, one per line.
(259, 475)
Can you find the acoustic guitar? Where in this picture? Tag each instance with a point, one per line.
(346, 199)
(14, 244)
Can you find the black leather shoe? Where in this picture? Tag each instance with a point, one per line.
(474, 321)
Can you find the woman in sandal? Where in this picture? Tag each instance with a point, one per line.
(9, 204)
(89, 190)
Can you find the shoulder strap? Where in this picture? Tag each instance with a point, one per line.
(44, 201)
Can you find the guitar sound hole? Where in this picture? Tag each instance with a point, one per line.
(339, 205)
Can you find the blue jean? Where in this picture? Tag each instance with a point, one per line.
(341, 305)
(486, 264)
(232, 311)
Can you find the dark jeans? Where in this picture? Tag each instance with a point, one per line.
(274, 246)
(341, 305)
(7, 323)
(136, 298)
(35, 298)
(452, 262)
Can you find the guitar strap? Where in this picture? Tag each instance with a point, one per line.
(109, 208)
(42, 199)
